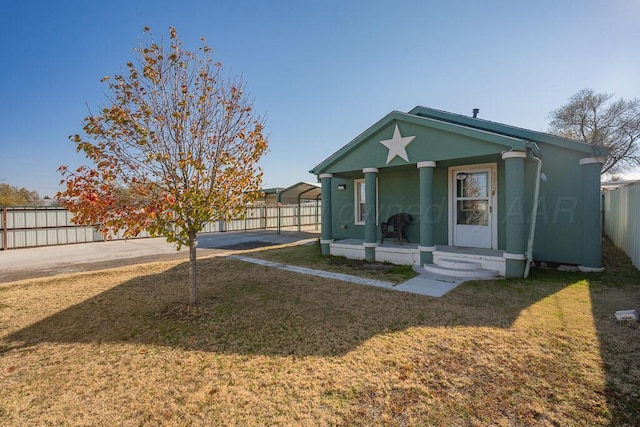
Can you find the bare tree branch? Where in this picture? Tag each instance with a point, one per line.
(592, 118)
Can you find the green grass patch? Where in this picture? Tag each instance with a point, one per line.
(310, 256)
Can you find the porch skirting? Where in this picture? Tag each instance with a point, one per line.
(409, 253)
(404, 254)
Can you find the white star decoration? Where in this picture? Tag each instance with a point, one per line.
(397, 145)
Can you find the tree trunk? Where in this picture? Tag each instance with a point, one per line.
(193, 295)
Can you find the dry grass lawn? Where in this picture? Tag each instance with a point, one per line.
(270, 347)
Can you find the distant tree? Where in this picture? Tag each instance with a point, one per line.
(594, 118)
(177, 146)
(52, 203)
(14, 196)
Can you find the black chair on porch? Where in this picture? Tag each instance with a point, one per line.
(395, 227)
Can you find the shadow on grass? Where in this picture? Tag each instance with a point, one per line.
(618, 288)
(250, 309)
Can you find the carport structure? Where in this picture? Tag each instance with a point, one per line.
(297, 194)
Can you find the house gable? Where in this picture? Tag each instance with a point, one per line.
(424, 139)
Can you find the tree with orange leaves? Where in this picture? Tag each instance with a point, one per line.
(175, 147)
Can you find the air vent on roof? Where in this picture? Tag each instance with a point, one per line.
(475, 113)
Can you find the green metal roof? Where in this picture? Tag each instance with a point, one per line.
(513, 131)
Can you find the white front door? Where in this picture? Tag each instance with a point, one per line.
(473, 191)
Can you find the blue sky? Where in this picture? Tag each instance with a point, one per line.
(322, 72)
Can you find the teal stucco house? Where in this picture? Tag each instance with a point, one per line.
(469, 187)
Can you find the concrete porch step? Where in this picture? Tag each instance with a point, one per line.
(465, 272)
(459, 264)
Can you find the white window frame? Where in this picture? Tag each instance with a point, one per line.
(356, 201)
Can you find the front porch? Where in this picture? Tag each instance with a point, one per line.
(455, 258)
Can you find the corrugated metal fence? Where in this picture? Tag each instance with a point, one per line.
(622, 219)
(44, 226)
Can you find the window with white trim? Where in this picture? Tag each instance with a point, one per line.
(360, 201)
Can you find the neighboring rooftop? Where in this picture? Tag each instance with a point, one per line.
(612, 185)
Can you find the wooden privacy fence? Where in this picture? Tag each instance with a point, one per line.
(622, 219)
(44, 226)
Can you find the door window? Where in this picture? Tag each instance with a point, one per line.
(472, 194)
